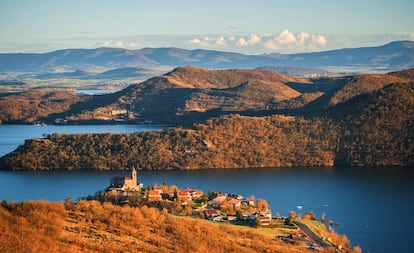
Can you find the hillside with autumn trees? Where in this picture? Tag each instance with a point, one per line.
(89, 226)
(370, 129)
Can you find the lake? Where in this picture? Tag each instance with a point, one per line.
(96, 91)
(373, 206)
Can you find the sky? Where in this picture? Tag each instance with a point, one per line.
(251, 27)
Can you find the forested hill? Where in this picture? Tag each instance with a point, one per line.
(370, 129)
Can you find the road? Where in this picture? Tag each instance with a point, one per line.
(312, 235)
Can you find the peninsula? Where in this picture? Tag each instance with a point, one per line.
(127, 216)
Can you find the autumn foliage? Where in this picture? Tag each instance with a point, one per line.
(89, 226)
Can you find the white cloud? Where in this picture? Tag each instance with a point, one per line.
(241, 42)
(253, 40)
(195, 41)
(113, 44)
(203, 43)
(302, 37)
(303, 41)
(285, 41)
(285, 38)
(221, 42)
(271, 45)
(119, 44)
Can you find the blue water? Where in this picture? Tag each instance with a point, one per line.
(373, 206)
(95, 91)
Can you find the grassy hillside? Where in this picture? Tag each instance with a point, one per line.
(89, 226)
(166, 98)
(189, 94)
(185, 90)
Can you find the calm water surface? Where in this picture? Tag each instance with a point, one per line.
(95, 91)
(373, 206)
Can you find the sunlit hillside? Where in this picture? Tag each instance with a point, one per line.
(89, 226)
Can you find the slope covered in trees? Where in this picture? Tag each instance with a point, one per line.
(378, 128)
(372, 129)
(89, 226)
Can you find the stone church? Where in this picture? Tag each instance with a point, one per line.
(125, 183)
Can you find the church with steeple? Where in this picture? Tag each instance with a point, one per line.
(125, 183)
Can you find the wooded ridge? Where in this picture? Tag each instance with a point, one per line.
(365, 120)
(371, 129)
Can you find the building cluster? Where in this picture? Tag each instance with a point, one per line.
(186, 195)
(225, 207)
(214, 206)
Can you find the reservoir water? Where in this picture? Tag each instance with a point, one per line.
(373, 206)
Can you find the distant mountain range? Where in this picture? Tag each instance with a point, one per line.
(393, 56)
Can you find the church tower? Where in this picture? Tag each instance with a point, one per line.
(134, 177)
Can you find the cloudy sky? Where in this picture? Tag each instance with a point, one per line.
(253, 27)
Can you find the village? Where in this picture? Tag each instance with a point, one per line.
(215, 206)
(221, 207)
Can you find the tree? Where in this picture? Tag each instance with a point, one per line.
(278, 215)
(309, 216)
(258, 221)
(323, 217)
(289, 221)
(292, 215)
(262, 205)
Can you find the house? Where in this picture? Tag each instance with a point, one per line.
(211, 214)
(125, 183)
(235, 196)
(154, 195)
(249, 201)
(232, 217)
(235, 202)
(217, 201)
(158, 189)
(184, 195)
(195, 194)
(118, 112)
(265, 218)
